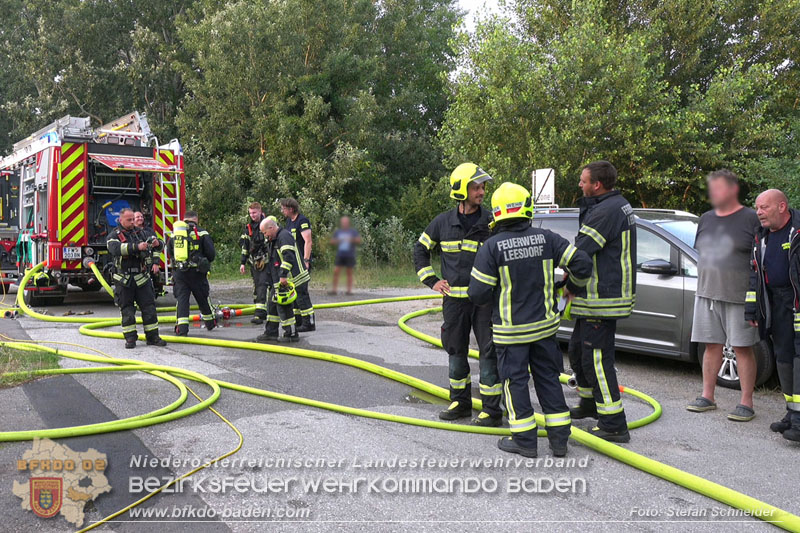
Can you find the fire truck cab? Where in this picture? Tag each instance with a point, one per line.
(61, 191)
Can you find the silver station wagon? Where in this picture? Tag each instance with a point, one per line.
(666, 263)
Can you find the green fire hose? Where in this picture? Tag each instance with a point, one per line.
(96, 327)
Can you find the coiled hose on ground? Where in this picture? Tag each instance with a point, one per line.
(97, 327)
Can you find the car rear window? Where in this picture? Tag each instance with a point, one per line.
(685, 230)
(567, 227)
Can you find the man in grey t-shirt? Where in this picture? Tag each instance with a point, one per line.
(724, 241)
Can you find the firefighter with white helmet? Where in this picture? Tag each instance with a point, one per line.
(525, 320)
(458, 234)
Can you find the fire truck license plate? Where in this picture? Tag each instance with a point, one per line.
(72, 252)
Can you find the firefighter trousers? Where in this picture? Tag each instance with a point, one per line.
(138, 292)
(591, 356)
(782, 334)
(279, 315)
(260, 290)
(188, 283)
(543, 361)
(461, 317)
(303, 308)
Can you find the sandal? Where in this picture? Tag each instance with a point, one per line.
(701, 405)
(742, 413)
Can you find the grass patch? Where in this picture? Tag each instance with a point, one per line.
(367, 276)
(23, 363)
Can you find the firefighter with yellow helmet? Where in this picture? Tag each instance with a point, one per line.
(287, 273)
(192, 251)
(458, 234)
(525, 320)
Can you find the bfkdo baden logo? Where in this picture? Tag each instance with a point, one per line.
(61, 480)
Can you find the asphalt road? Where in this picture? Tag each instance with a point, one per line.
(287, 448)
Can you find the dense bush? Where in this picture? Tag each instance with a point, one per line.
(361, 107)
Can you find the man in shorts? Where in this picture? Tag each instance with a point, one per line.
(345, 239)
(724, 241)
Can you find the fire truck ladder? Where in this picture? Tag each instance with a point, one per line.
(174, 180)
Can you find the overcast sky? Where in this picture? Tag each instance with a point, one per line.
(472, 6)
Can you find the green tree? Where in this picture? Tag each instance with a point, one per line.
(335, 98)
(665, 90)
(87, 58)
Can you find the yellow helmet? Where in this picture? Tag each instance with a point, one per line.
(511, 201)
(462, 176)
(285, 295)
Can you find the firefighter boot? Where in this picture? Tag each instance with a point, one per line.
(307, 325)
(153, 339)
(507, 444)
(786, 379)
(182, 330)
(783, 424)
(257, 320)
(289, 334)
(486, 420)
(585, 409)
(211, 324)
(130, 341)
(491, 415)
(558, 437)
(455, 411)
(270, 332)
(621, 436)
(793, 433)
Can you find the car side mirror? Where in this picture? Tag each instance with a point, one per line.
(660, 267)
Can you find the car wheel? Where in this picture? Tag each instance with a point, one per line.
(728, 375)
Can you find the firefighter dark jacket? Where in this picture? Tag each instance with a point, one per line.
(514, 271)
(285, 260)
(458, 249)
(152, 257)
(252, 241)
(757, 305)
(130, 264)
(608, 234)
(201, 247)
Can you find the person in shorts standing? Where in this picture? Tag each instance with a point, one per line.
(724, 241)
(345, 239)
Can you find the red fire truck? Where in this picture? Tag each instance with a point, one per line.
(62, 188)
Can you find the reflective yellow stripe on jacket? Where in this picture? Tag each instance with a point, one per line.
(594, 234)
(426, 241)
(425, 273)
(458, 292)
(483, 278)
(454, 247)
